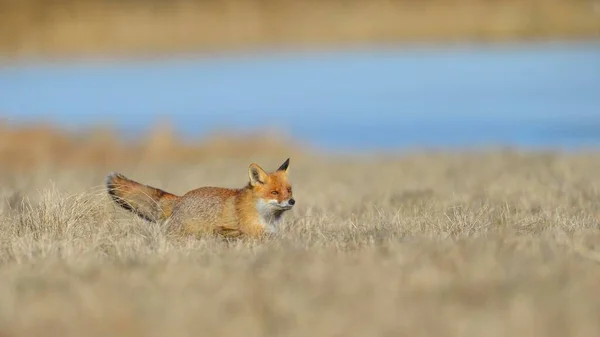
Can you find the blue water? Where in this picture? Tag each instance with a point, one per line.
(542, 95)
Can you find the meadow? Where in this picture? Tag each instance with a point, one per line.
(58, 28)
(493, 242)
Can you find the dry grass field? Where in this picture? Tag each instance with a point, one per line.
(98, 27)
(488, 243)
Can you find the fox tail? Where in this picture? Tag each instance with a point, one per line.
(149, 203)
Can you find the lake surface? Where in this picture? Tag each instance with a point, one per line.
(542, 95)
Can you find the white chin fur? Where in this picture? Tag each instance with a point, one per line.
(277, 205)
(267, 209)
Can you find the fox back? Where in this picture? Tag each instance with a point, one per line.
(253, 210)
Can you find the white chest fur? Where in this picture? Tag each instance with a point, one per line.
(268, 216)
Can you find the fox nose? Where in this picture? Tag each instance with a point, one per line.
(292, 202)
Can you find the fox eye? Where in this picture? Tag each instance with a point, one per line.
(289, 190)
(274, 192)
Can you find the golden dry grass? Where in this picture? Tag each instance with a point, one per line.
(92, 27)
(494, 243)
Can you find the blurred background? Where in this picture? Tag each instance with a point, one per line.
(94, 81)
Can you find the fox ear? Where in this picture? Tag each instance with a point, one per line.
(284, 166)
(256, 174)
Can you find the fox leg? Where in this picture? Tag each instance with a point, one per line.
(228, 232)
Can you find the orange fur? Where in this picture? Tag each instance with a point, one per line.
(250, 211)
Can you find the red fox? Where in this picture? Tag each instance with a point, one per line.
(250, 211)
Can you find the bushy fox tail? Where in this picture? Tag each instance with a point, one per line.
(149, 203)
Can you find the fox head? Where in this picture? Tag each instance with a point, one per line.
(273, 189)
